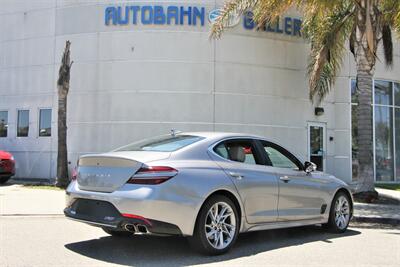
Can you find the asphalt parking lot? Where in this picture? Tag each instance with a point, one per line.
(34, 233)
(56, 241)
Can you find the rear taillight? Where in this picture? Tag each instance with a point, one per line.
(7, 165)
(152, 175)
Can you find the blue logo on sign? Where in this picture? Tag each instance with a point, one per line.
(216, 13)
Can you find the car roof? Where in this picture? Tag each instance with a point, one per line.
(220, 134)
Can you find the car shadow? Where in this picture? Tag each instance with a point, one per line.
(7, 184)
(175, 251)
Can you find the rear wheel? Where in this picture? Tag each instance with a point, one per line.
(116, 233)
(340, 213)
(217, 226)
(4, 179)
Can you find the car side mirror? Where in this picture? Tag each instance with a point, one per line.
(309, 167)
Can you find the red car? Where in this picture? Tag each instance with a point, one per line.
(7, 166)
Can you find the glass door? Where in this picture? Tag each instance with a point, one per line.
(316, 144)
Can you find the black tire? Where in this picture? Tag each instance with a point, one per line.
(332, 226)
(199, 241)
(117, 233)
(4, 179)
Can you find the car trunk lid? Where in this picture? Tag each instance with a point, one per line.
(108, 172)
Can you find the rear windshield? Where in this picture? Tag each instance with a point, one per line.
(162, 144)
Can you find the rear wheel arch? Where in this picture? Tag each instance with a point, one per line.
(228, 194)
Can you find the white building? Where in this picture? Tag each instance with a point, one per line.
(142, 68)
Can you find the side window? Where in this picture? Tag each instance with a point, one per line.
(237, 150)
(280, 158)
(222, 151)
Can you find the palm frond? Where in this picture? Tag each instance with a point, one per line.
(266, 11)
(396, 18)
(352, 41)
(328, 34)
(387, 45)
(231, 8)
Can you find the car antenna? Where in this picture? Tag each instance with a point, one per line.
(174, 132)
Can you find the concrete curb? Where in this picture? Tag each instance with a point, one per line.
(378, 220)
(389, 193)
(35, 181)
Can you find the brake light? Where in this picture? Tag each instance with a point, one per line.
(153, 175)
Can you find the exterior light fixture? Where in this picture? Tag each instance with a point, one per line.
(319, 111)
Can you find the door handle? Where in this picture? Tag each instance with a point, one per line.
(236, 175)
(285, 179)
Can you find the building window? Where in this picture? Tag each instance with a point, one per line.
(397, 94)
(396, 91)
(384, 143)
(45, 122)
(387, 131)
(384, 131)
(383, 93)
(397, 142)
(23, 123)
(354, 130)
(3, 123)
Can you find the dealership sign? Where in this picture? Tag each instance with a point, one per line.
(192, 16)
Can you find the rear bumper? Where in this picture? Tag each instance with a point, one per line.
(7, 168)
(104, 214)
(164, 206)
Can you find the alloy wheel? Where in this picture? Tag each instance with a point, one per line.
(342, 212)
(220, 225)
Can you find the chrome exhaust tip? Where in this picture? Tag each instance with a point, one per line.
(131, 228)
(142, 229)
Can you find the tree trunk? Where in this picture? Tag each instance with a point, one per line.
(365, 51)
(365, 131)
(63, 89)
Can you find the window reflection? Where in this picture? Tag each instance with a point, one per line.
(354, 130)
(383, 93)
(45, 122)
(3, 123)
(397, 94)
(23, 123)
(397, 140)
(384, 143)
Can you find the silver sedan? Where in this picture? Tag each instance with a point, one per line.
(208, 187)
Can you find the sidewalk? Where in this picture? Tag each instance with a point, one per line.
(379, 213)
(389, 193)
(19, 200)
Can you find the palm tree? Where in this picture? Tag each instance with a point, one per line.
(329, 25)
(63, 89)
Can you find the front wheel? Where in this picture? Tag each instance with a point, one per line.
(217, 226)
(340, 214)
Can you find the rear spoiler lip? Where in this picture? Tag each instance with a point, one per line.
(109, 161)
(118, 159)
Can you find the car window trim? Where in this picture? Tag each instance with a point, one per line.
(284, 152)
(258, 156)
